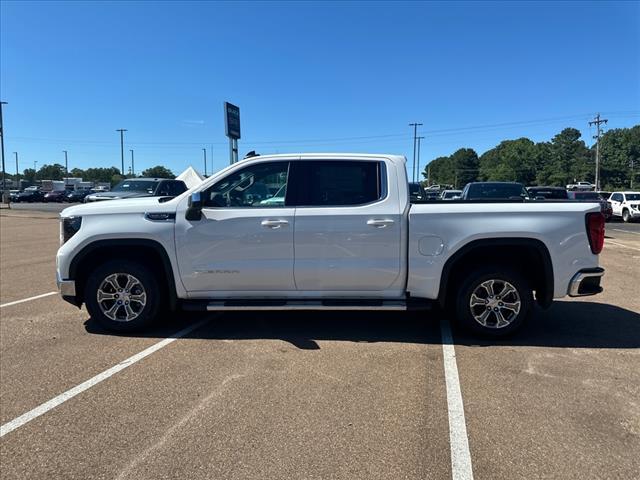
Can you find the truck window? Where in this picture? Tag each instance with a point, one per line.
(340, 183)
(263, 185)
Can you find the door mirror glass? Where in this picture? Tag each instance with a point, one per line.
(194, 211)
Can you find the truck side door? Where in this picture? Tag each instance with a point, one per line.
(244, 240)
(616, 203)
(347, 226)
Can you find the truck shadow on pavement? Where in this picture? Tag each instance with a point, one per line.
(565, 324)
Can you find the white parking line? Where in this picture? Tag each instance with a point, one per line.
(620, 245)
(458, 440)
(69, 394)
(27, 299)
(625, 231)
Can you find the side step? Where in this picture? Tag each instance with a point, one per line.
(320, 304)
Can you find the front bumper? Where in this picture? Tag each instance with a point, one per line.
(586, 282)
(67, 289)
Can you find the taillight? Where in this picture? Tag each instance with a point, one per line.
(595, 231)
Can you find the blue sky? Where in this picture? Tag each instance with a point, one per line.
(307, 76)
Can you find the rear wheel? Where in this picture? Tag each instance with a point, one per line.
(123, 296)
(493, 302)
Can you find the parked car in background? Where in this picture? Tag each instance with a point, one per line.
(416, 192)
(494, 191)
(604, 195)
(140, 187)
(30, 195)
(13, 195)
(581, 186)
(605, 206)
(450, 194)
(625, 205)
(77, 195)
(55, 196)
(548, 193)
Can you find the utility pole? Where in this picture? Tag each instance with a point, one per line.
(418, 169)
(415, 136)
(122, 130)
(429, 174)
(204, 152)
(17, 171)
(597, 121)
(66, 167)
(2, 142)
(133, 169)
(631, 180)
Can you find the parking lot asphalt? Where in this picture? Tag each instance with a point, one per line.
(315, 395)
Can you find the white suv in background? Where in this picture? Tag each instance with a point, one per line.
(625, 205)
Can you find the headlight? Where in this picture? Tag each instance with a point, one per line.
(69, 226)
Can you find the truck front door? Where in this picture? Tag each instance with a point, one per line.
(244, 240)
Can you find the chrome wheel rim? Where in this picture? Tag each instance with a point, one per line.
(495, 303)
(121, 297)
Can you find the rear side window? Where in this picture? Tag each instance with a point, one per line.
(339, 183)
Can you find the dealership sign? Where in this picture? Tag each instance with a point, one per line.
(231, 120)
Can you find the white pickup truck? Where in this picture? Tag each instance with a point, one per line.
(325, 231)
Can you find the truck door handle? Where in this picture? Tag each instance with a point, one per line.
(380, 223)
(274, 224)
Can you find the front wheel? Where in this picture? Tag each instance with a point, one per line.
(626, 216)
(493, 302)
(122, 296)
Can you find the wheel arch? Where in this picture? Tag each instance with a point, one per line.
(132, 249)
(522, 253)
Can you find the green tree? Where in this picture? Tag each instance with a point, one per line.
(77, 173)
(511, 161)
(440, 171)
(568, 160)
(50, 172)
(619, 150)
(465, 164)
(158, 172)
(29, 175)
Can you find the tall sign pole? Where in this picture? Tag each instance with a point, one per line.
(66, 167)
(418, 170)
(2, 147)
(122, 130)
(133, 168)
(204, 152)
(232, 129)
(597, 121)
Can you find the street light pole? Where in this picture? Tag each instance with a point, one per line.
(2, 142)
(122, 130)
(133, 169)
(66, 167)
(204, 152)
(17, 171)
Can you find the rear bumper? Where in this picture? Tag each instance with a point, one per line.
(586, 282)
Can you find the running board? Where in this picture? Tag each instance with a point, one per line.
(325, 304)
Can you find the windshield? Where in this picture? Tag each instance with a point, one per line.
(633, 196)
(415, 189)
(555, 193)
(135, 186)
(452, 194)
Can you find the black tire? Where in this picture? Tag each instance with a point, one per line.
(145, 314)
(472, 283)
(625, 216)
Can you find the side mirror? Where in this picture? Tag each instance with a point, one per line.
(194, 210)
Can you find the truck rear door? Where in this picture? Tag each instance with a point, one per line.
(347, 226)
